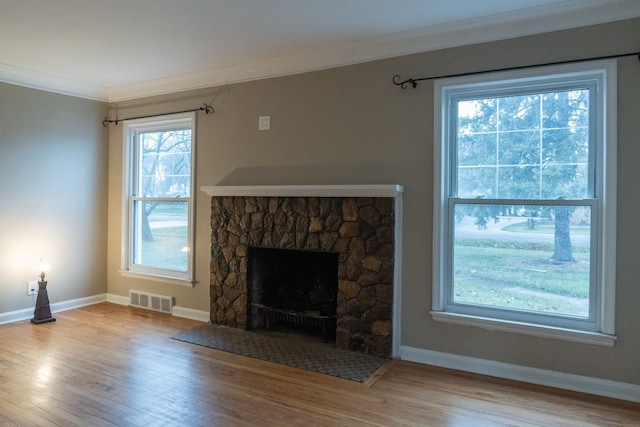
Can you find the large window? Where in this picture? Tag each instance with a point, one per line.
(525, 201)
(159, 186)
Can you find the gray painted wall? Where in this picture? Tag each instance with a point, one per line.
(53, 157)
(351, 125)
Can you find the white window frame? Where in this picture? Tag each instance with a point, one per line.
(128, 268)
(601, 331)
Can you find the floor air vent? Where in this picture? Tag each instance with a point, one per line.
(153, 302)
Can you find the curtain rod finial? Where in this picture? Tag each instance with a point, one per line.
(208, 109)
(403, 84)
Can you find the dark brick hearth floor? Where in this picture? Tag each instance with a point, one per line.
(286, 349)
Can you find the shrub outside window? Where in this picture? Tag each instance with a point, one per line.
(525, 201)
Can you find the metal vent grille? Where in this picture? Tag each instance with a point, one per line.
(153, 302)
(166, 305)
(135, 298)
(144, 300)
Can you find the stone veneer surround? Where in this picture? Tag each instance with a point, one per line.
(357, 222)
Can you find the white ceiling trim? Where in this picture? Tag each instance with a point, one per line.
(486, 29)
(530, 21)
(50, 83)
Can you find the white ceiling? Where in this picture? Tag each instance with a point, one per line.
(121, 49)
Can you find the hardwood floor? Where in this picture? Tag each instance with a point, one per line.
(107, 365)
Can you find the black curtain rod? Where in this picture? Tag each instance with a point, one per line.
(208, 109)
(414, 82)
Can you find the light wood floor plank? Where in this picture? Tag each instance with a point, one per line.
(108, 365)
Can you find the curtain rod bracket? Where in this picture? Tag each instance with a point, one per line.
(403, 84)
(208, 109)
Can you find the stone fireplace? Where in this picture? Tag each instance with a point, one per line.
(357, 223)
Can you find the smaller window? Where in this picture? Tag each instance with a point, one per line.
(158, 190)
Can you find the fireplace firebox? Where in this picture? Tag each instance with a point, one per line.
(295, 287)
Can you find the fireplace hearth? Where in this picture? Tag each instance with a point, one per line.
(358, 232)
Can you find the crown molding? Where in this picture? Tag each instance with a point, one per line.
(50, 83)
(554, 17)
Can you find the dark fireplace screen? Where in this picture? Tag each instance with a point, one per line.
(293, 286)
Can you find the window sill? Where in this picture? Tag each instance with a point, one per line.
(157, 278)
(543, 331)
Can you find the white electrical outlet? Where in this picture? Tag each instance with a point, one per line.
(32, 287)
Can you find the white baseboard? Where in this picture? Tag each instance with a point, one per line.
(583, 384)
(118, 299)
(77, 303)
(16, 316)
(27, 313)
(190, 313)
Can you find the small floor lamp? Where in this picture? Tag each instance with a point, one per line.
(42, 313)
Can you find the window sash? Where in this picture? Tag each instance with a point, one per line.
(138, 159)
(138, 246)
(501, 90)
(590, 322)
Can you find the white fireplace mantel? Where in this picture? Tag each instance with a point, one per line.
(381, 190)
(378, 190)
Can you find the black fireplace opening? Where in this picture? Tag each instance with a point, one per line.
(292, 290)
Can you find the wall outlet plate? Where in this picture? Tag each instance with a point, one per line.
(264, 122)
(32, 287)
